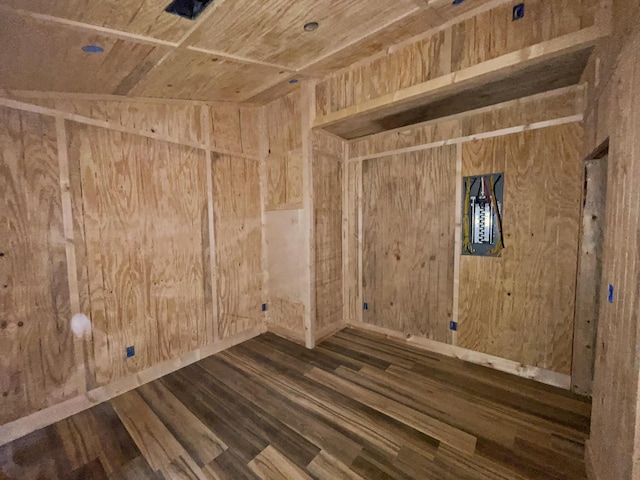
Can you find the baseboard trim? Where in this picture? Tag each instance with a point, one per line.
(497, 363)
(50, 415)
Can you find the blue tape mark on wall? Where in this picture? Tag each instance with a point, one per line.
(365, 306)
(264, 307)
(131, 351)
(518, 12)
(457, 2)
(453, 326)
(610, 297)
(92, 49)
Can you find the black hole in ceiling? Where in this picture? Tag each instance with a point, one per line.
(188, 8)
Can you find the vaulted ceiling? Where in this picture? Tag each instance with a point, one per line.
(237, 50)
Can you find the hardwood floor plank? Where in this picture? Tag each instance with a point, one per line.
(197, 439)
(158, 446)
(270, 464)
(364, 424)
(359, 406)
(428, 425)
(327, 466)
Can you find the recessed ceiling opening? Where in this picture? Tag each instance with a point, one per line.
(189, 9)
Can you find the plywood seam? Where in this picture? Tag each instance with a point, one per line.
(476, 136)
(27, 107)
(263, 149)
(345, 235)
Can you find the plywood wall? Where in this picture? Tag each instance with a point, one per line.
(328, 156)
(408, 233)
(520, 306)
(303, 228)
(403, 213)
(468, 42)
(285, 230)
(613, 450)
(36, 354)
(158, 243)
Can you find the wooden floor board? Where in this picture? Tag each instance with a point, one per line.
(359, 406)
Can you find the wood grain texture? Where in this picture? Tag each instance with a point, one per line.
(141, 280)
(614, 445)
(520, 306)
(352, 279)
(462, 45)
(564, 102)
(237, 220)
(37, 359)
(281, 411)
(327, 208)
(589, 280)
(408, 203)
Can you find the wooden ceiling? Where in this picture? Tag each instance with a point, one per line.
(237, 50)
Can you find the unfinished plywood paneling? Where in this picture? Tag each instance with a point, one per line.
(520, 306)
(327, 208)
(37, 359)
(285, 234)
(272, 31)
(193, 75)
(145, 228)
(147, 19)
(459, 46)
(238, 233)
(614, 447)
(408, 203)
(51, 58)
(536, 109)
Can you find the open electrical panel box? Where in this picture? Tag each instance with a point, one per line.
(482, 215)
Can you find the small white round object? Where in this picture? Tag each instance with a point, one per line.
(80, 324)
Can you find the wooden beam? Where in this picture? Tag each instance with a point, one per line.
(308, 113)
(491, 70)
(457, 242)
(509, 366)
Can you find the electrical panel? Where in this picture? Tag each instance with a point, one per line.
(482, 215)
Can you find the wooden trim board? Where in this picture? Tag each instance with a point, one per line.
(502, 364)
(476, 136)
(43, 418)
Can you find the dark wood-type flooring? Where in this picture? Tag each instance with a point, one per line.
(358, 406)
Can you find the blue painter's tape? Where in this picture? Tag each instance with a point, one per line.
(453, 326)
(457, 2)
(92, 49)
(365, 306)
(131, 351)
(610, 297)
(264, 307)
(518, 12)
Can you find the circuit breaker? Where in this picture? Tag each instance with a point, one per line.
(482, 215)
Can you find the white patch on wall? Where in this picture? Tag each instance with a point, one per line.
(80, 325)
